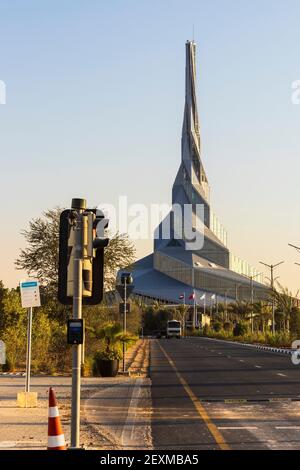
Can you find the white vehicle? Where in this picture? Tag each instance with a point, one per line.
(174, 329)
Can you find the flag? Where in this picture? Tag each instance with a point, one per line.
(192, 296)
(213, 297)
(181, 297)
(203, 297)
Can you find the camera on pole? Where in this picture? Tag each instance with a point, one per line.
(93, 242)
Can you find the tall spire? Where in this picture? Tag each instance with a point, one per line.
(192, 174)
(190, 130)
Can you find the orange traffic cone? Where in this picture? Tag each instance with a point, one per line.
(56, 438)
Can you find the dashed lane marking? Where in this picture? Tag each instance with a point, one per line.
(282, 375)
(198, 405)
(287, 428)
(238, 428)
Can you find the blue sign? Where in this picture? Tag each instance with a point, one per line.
(29, 284)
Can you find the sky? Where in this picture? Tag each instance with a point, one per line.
(94, 108)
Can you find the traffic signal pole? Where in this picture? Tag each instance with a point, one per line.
(78, 206)
(124, 324)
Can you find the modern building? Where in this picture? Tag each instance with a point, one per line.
(179, 268)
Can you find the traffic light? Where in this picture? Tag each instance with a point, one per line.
(92, 255)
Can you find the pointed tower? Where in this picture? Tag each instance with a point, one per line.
(191, 184)
(175, 267)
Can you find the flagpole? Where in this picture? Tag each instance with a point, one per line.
(194, 309)
(184, 319)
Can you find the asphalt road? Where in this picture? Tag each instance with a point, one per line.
(215, 395)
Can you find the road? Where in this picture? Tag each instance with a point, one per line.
(208, 394)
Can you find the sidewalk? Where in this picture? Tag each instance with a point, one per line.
(26, 428)
(122, 414)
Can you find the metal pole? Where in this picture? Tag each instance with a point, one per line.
(124, 322)
(273, 300)
(252, 301)
(76, 349)
(28, 353)
(184, 316)
(194, 321)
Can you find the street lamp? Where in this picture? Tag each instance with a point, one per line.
(272, 267)
(126, 279)
(251, 278)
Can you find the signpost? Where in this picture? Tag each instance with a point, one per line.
(30, 297)
(2, 352)
(124, 308)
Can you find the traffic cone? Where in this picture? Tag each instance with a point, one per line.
(56, 438)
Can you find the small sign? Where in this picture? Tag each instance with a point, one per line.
(30, 294)
(122, 308)
(2, 352)
(75, 331)
(121, 291)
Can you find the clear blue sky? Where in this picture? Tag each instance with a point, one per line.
(95, 94)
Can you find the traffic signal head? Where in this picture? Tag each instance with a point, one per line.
(126, 278)
(92, 255)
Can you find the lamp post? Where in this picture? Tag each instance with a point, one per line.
(272, 267)
(126, 280)
(251, 278)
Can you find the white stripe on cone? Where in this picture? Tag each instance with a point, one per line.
(53, 412)
(56, 441)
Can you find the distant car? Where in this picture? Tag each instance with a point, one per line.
(174, 329)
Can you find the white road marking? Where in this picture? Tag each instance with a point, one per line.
(8, 444)
(258, 367)
(241, 360)
(296, 428)
(237, 428)
(282, 375)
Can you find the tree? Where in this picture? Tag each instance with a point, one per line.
(119, 254)
(285, 302)
(241, 309)
(40, 257)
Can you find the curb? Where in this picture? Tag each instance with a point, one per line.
(255, 346)
(12, 374)
(237, 401)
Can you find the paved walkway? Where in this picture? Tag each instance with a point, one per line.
(26, 428)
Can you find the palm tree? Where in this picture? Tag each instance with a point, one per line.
(285, 302)
(241, 309)
(262, 314)
(112, 336)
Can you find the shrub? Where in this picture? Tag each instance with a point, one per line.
(206, 330)
(279, 339)
(7, 367)
(240, 329)
(87, 366)
(217, 326)
(227, 326)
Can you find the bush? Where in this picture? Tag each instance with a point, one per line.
(279, 339)
(206, 330)
(217, 326)
(227, 326)
(7, 367)
(87, 366)
(240, 329)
